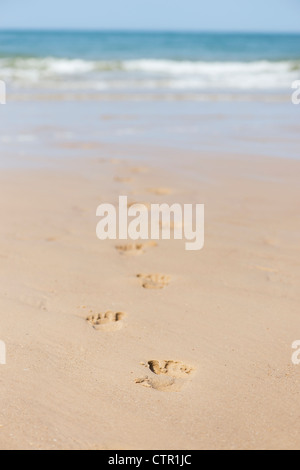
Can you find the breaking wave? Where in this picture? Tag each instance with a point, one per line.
(147, 74)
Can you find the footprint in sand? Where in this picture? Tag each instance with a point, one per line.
(146, 206)
(154, 281)
(172, 225)
(51, 239)
(123, 179)
(160, 191)
(167, 375)
(171, 368)
(266, 269)
(108, 321)
(135, 248)
(269, 241)
(139, 169)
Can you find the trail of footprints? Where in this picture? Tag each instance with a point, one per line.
(164, 375)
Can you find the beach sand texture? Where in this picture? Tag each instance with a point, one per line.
(169, 349)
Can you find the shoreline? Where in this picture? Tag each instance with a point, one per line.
(51, 131)
(261, 96)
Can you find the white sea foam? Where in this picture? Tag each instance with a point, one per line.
(148, 74)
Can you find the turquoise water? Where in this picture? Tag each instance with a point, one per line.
(174, 46)
(119, 61)
(250, 117)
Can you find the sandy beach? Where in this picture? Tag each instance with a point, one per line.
(196, 352)
(174, 344)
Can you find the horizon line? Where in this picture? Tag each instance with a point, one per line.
(145, 31)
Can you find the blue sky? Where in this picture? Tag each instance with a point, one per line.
(232, 15)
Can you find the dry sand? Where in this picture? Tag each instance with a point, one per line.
(182, 350)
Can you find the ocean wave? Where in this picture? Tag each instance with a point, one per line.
(189, 67)
(147, 74)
